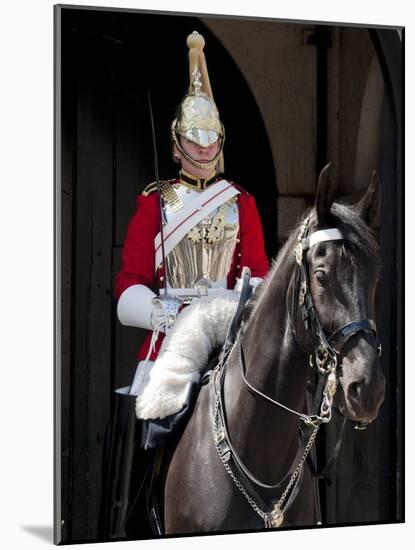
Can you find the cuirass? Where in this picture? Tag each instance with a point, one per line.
(204, 255)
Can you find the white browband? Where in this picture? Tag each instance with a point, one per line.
(333, 234)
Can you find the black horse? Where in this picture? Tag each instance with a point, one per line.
(241, 461)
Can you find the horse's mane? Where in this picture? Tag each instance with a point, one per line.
(282, 260)
(359, 237)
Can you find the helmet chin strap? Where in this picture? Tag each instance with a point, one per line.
(201, 165)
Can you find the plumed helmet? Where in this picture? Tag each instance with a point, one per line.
(197, 116)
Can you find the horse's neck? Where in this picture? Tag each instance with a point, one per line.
(264, 434)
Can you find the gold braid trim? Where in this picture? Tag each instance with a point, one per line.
(170, 196)
(167, 192)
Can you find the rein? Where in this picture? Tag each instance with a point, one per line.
(325, 353)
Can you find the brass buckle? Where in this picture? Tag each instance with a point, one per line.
(321, 358)
(298, 252)
(220, 436)
(303, 292)
(276, 517)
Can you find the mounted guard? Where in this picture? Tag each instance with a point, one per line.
(190, 236)
(186, 245)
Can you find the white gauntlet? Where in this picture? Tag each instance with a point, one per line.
(138, 306)
(166, 309)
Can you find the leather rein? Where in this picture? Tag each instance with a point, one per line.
(325, 353)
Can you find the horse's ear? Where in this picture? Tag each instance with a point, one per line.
(369, 205)
(324, 195)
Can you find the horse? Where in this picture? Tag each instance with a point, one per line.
(241, 462)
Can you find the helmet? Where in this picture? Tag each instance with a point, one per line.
(197, 116)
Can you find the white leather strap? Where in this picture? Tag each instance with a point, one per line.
(332, 234)
(191, 214)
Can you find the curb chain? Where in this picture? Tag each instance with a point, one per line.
(296, 473)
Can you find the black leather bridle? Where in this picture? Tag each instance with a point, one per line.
(324, 345)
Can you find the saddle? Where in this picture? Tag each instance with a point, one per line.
(159, 431)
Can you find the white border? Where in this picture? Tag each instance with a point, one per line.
(26, 124)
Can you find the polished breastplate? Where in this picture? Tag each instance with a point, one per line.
(203, 257)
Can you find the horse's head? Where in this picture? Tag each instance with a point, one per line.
(343, 275)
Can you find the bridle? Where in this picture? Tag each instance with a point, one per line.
(326, 347)
(325, 356)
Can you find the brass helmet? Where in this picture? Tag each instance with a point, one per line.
(198, 117)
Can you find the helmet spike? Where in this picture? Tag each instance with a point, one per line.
(197, 62)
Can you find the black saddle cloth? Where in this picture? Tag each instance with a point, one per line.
(160, 432)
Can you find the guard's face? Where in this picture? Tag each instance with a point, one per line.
(199, 153)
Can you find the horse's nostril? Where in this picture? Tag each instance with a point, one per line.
(354, 391)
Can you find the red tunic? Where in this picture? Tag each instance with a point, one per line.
(138, 253)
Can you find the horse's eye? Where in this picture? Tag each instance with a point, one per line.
(320, 275)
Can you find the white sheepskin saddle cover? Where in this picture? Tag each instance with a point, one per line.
(199, 329)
